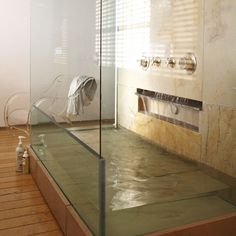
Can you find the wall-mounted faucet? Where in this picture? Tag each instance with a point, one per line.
(156, 61)
(188, 63)
(171, 62)
(144, 63)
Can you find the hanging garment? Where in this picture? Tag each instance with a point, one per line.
(81, 93)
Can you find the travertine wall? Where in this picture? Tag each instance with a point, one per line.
(218, 119)
(176, 139)
(215, 143)
(218, 149)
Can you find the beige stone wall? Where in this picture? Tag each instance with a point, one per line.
(218, 124)
(218, 119)
(214, 146)
(215, 143)
(172, 137)
(219, 72)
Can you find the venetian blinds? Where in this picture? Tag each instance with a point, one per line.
(175, 26)
(61, 51)
(132, 28)
(108, 39)
(133, 31)
(125, 30)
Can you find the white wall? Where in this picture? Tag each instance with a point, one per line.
(15, 46)
(63, 41)
(14, 49)
(53, 22)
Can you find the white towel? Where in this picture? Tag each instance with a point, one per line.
(81, 93)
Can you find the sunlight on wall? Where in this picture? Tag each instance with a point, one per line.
(133, 31)
(61, 51)
(135, 28)
(125, 30)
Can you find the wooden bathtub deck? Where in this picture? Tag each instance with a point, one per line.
(23, 210)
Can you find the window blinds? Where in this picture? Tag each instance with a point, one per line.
(132, 28)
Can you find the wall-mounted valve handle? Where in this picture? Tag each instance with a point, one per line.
(171, 62)
(188, 63)
(144, 63)
(156, 61)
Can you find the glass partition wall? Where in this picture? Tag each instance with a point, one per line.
(65, 98)
(125, 115)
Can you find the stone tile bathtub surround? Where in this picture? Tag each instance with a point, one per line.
(172, 137)
(219, 226)
(214, 145)
(142, 180)
(218, 129)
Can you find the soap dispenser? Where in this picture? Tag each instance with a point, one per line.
(19, 154)
(25, 162)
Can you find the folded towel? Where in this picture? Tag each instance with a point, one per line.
(81, 93)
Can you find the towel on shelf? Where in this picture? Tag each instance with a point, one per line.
(81, 93)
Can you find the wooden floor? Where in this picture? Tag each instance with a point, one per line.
(23, 210)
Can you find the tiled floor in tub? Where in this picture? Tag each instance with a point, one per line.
(147, 188)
